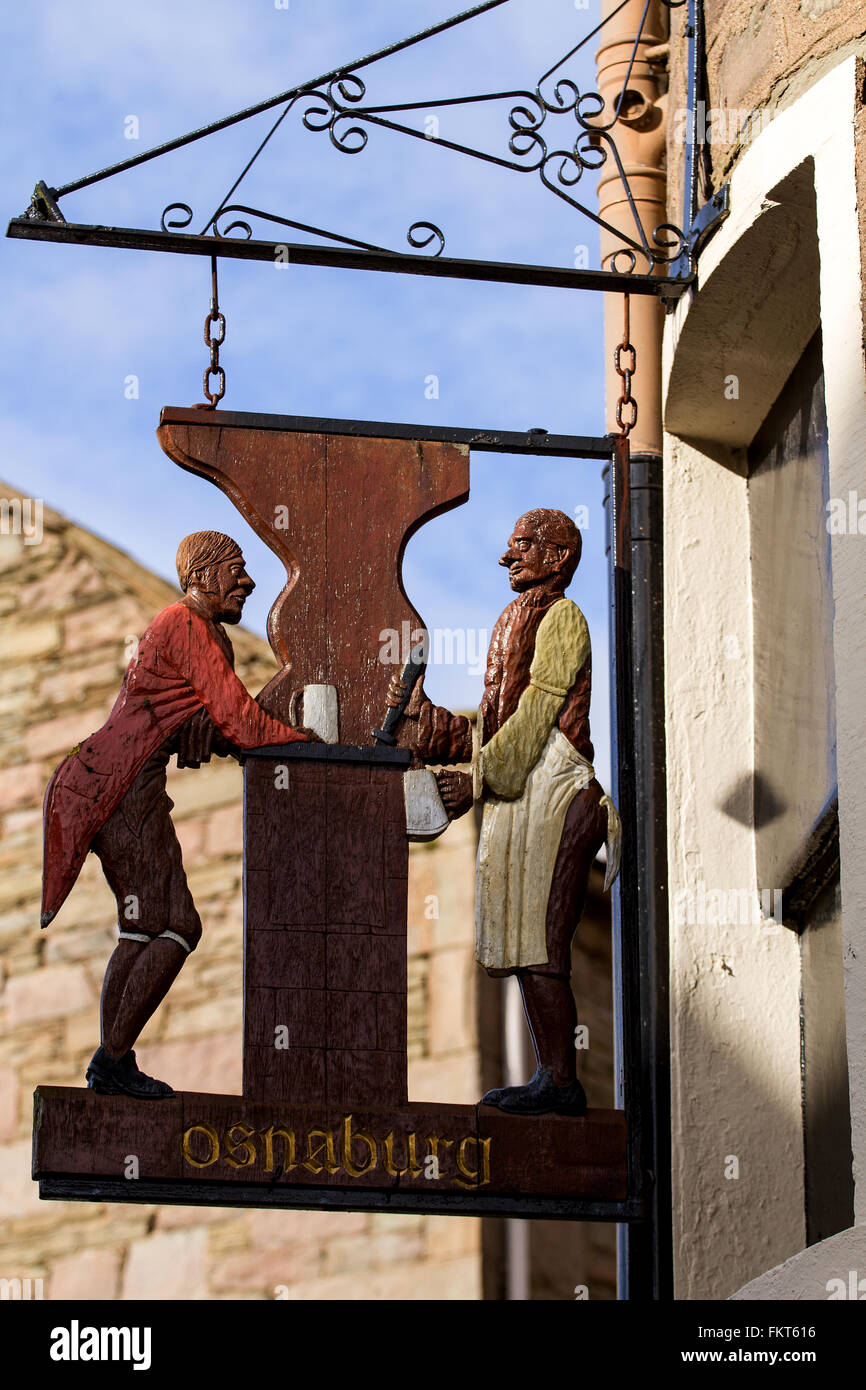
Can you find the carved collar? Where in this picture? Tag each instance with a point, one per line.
(539, 597)
(217, 628)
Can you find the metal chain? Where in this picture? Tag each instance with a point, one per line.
(626, 400)
(214, 341)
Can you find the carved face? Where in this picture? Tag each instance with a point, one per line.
(225, 588)
(529, 559)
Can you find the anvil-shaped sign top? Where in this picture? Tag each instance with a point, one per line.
(338, 511)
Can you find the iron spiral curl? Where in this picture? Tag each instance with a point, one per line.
(233, 219)
(339, 107)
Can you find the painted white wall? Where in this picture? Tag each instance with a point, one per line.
(834, 1269)
(734, 988)
(737, 1135)
(845, 388)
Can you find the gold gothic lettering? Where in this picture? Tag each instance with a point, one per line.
(485, 1161)
(214, 1139)
(362, 1138)
(311, 1161)
(268, 1136)
(477, 1180)
(389, 1157)
(355, 1152)
(433, 1142)
(415, 1169)
(243, 1145)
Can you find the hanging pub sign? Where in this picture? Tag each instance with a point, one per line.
(337, 752)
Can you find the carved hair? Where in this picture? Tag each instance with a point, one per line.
(201, 549)
(556, 528)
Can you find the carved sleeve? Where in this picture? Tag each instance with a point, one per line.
(204, 666)
(561, 648)
(443, 737)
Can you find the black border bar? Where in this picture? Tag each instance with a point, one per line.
(200, 1192)
(346, 258)
(532, 441)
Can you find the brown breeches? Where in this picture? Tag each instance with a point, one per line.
(141, 859)
(546, 989)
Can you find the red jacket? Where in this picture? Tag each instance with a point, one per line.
(180, 666)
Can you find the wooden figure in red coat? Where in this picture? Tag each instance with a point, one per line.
(180, 696)
(545, 816)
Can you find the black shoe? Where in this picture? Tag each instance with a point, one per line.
(540, 1096)
(120, 1076)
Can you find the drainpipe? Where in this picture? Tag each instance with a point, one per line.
(645, 1253)
(640, 140)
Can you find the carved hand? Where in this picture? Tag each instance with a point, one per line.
(417, 699)
(396, 689)
(221, 746)
(196, 740)
(455, 789)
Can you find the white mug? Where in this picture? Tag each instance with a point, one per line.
(321, 713)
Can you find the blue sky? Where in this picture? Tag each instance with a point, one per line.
(77, 322)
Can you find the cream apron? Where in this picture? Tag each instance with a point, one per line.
(516, 857)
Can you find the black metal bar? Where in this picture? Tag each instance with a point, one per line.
(640, 907)
(708, 219)
(329, 753)
(398, 262)
(249, 111)
(626, 993)
(685, 264)
(534, 441)
(200, 1192)
(690, 181)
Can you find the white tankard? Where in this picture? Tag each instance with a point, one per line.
(321, 711)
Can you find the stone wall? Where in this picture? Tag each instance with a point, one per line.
(761, 55)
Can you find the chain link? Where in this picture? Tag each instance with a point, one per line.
(626, 400)
(214, 338)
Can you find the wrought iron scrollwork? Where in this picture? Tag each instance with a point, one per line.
(339, 108)
(337, 103)
(225, 224)
(173, 224)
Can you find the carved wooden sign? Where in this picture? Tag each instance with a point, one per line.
(325, 1117)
